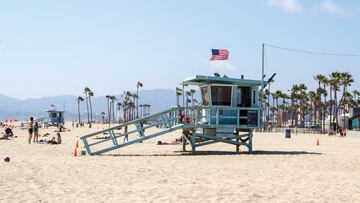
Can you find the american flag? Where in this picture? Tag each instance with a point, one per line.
(219, 54)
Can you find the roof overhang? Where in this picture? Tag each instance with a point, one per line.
(204, 80)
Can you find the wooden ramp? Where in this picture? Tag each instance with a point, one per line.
(145, 128)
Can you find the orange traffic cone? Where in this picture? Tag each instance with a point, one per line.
(77, 143)
(317, 142)
(75, 151)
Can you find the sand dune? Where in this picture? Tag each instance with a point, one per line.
(280, 170)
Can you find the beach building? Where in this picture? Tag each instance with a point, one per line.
(354, 118)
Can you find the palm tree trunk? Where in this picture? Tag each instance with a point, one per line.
(277, 111)
(91, 115)
(344, 104)
(137, 101)
(268, 107)
(292, 112)
(330, 108)
(79, 110)
(335, 119)
(325, 110)
(109, 110)
(87, 107)
(113, 109)
(273, 113)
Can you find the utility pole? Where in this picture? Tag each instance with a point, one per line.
(262, 83)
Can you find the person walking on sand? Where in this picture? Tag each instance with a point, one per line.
(30, 128)
(126, 137)
(36, 131)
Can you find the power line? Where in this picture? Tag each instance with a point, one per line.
(312, 52)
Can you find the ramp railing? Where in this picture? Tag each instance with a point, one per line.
(214, 117)
(132, 132)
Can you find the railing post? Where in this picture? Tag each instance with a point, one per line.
(195, 116)
(86, 146)
(238, 118)
(217, 116)
(140, 129)
(113, 138)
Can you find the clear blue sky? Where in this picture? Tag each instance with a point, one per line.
(57, 47)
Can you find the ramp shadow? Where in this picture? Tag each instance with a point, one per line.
(213, 153)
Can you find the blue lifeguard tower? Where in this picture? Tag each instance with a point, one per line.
(229, 112)
(54, 118)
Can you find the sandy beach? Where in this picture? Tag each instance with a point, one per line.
(280, 170)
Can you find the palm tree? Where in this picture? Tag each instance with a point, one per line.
(91, 94)
(325, 82)
(119, 106)
(347, 80)
(79, 99)
(86, 91)
(102, 117)
(293, 96)
(126, 111)
(136, 98)
(312, 97)
(336, 83)
(320, 107)
(331, 101)
(276, 95)
(108, 107)
(303, 99)
(283, 96)
(112, 107)
(267, 95)
(138, 85)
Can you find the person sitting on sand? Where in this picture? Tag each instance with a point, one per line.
(62, 129)
(59, 140)
(9, 132)
(52, 141)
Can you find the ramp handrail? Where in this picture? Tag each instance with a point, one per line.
(131, 122)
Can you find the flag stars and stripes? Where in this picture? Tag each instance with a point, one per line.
(219, 54)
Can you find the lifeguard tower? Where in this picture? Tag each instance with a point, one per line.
(229, 112)
(55, 118)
